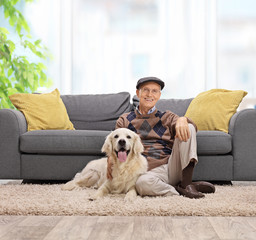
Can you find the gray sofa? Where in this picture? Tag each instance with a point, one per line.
(59, 154)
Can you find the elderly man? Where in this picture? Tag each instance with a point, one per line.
(170, 146)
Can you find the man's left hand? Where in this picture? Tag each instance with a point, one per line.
(182, 129)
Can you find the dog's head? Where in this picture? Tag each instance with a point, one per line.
(122, 142)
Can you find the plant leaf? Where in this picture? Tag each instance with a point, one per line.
(10, 72)
(4, 30)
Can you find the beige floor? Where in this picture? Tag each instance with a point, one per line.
(138, 228)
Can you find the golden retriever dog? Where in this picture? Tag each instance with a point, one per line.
(124, 148)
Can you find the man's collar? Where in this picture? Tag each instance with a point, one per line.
(149, 112)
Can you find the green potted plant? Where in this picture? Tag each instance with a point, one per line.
(18, 73)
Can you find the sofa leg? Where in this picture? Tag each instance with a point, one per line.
(221, 182)
(32, 181)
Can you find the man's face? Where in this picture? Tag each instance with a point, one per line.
(148, 94)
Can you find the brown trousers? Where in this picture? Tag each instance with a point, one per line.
(160, 180)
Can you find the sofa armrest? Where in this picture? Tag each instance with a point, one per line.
(12, 125)
(242, 128)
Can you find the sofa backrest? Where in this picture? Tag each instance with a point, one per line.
(100, 111)
(96, 112)
(177, 106)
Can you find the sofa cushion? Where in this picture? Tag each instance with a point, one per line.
(43, 111)
(90, 142)
(213, 142)
(212, 109)
(177, 106)
(96, 112)
(63, 142)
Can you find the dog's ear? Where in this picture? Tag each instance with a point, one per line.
(107, 146)
(138, 147)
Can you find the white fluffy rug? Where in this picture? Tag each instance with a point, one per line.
(35, 199)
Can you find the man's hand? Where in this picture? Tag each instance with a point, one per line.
(109, 169)
(182, 129)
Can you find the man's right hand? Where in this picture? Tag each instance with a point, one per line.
(109, 169)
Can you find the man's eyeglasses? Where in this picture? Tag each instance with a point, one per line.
(147, 91)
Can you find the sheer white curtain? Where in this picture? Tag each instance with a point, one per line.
(236, 65)
(104, 46)
(115, 43)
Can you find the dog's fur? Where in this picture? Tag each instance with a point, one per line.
(125, 171)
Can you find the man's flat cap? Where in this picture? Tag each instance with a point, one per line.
(150, 79)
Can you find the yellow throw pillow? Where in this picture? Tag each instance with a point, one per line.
(212, 110)
(43, 111)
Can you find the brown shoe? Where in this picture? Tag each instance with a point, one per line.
(204, 187)
(190, 191)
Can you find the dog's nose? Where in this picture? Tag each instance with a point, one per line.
(121, 142)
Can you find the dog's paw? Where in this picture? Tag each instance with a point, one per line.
(129, 199)
(98, 195)
(130, 196)
(71, 185)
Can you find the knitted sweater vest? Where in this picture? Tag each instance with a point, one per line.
(157, 132)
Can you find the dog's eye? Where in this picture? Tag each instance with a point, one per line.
(128, 136)
(116, 136)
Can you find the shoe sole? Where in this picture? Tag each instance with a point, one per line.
(182, 192)
(204, 187)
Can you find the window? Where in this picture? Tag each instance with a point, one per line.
(105, 46)
(117, 42)
(237, 45)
